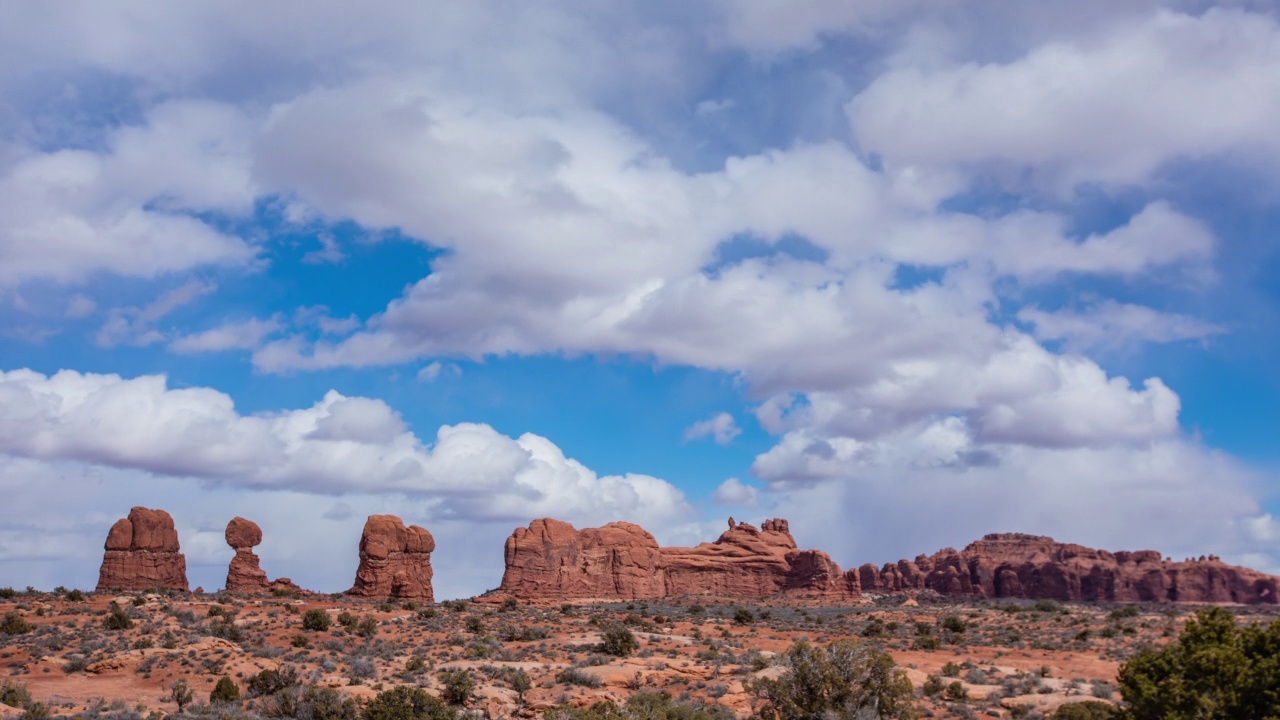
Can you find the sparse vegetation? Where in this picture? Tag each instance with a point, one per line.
(316, 620)
(844, 679)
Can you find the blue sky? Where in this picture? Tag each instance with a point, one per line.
(903, 273)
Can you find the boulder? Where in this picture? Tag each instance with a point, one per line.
(395, 561)
(142, 552)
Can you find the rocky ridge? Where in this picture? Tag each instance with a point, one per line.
(1017, 565)
(142, 552)
(551, 559)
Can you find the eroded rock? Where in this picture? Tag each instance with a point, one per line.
(395, 561)
(142, 552)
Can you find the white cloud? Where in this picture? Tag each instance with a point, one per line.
(339, 445)
(1110, 325)
(1112, 109)
(67, 214)
(245, 335)
(436, 370)
(736, 493)
(720, 427)
(137, 325)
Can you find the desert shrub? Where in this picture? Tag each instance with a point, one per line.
(520, 682)
(407, 703)
(367, 627)
(270, 682)
(743, 616)
(360, 669)
(951, 670)
(874, 628)
(574, 676)
(348, 620)
(455, 605)
(116, 618)
(227, 630)
(1122, 613)
(300, 641)
(457, 686)
(75, 595)
(508, 605)
(1087, 710)
(1215, 670)
(955, 692)
(1047, 605)
(843, 680)
(226, 691)
(565, 608)
(928, 643)
(14, 694)
(643, 706)
(475, 625)
(181, 694)
(953, 623)
(15, 624)
(309, 702)
(511, 633)
(696, 609)
(933, 685)
(317, 620)
(7, 593)
(619, 641)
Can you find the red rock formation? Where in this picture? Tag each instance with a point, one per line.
(1015, 565)
(142, 552)
(244, 574)
(552, 560)
(395, 561)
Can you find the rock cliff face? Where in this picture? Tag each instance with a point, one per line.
(552, 560)
(1015, 565)
(142, 552)
(395, 561)
(244, 574)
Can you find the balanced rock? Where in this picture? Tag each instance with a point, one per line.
(552, 560)
(395, 561)
(142, 552)
(245, 574)
(1016, 565)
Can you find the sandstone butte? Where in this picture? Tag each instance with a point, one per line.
(245, 575)
(395, 561)
(1016, 565)
(142, 552)
(551, 560)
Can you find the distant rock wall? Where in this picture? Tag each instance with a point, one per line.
(395, 561)
(552, 560)
(1016, 565)
(142, 552)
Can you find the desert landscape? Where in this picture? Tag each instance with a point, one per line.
(1012, 626)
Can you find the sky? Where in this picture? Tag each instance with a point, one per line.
(904, 273)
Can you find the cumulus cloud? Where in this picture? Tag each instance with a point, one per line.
(1110, 109)
(736, 493)
(339, 445)
(721, 428)
(65, 214)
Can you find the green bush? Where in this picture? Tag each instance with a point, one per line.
(7, 593)
(317, 620)
(226, 691)
(309, 702)
(15, 624)
(842, 680)
(574, 676)
(619, 641)
(407, 703)
(643, 706)
(116, 618)
(1086, 710)
(14, 694)
(743, 616)
(458, 686)
(1215, 670)
(270, 682)
(180, 693)
(75, 596)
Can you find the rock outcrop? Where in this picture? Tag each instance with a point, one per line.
(245, 575)
(395, 561)
(1016, 565)
(552, 560)
(142, 552)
